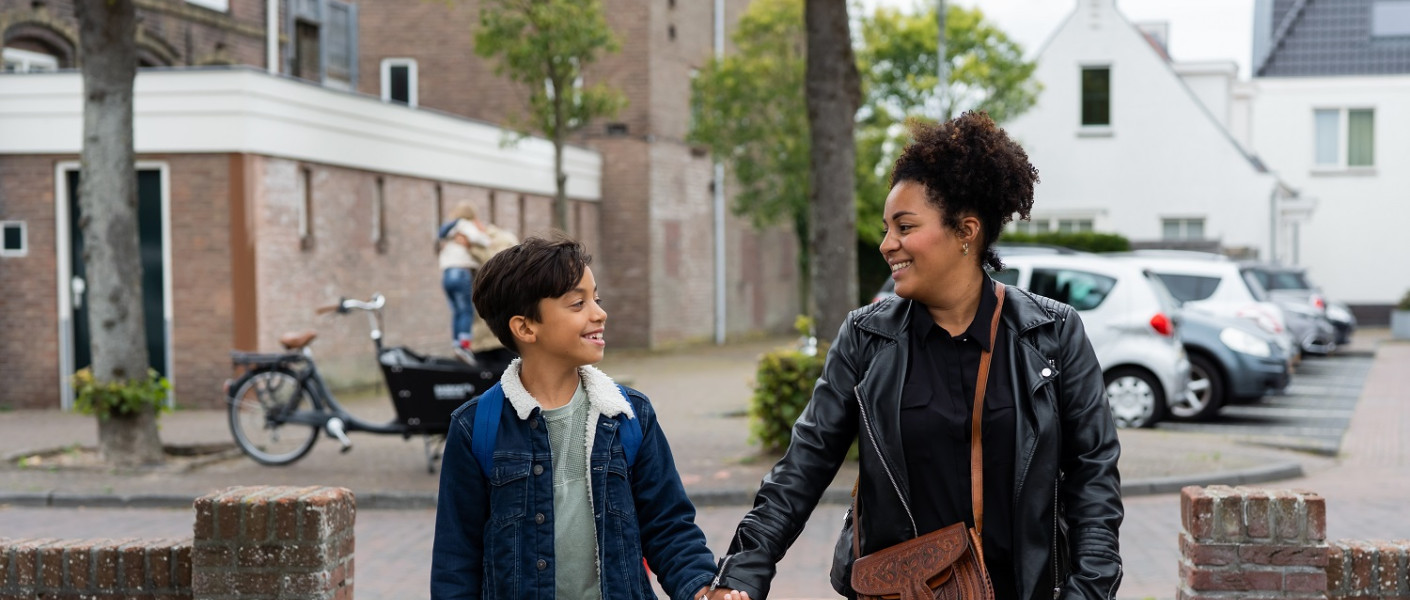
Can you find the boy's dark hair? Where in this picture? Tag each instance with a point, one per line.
(511, 283)
(969, 166)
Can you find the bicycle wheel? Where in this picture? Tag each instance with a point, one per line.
(258, 409)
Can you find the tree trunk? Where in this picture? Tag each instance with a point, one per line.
(833, 94)
(560, 127)
(108, 202)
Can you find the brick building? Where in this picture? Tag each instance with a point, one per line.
(276, 174)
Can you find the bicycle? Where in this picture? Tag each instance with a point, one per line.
(280, 404)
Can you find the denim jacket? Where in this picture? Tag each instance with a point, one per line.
(494, 532)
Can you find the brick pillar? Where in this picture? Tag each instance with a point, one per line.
(1238, 542)
(274, 542)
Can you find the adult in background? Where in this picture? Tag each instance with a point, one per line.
(457, 237)
(490, 353)
(901, 378)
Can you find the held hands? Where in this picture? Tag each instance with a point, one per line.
(721, 594)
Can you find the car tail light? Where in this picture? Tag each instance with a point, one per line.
(1318, 302)
(1161, 324)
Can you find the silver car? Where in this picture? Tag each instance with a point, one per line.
(1131, 323)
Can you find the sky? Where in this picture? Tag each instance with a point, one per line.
(1199, 29)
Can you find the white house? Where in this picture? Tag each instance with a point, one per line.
(1125, 141)
(1331, 89)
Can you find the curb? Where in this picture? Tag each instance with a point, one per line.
(702, 498)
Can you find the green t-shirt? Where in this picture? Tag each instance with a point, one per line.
(574, 530)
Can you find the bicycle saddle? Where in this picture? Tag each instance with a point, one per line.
(297, 340)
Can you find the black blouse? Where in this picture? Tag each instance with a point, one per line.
(936, 404)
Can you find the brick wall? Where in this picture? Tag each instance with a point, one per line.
(256, 543)
(1240, 542)
(200, 280)
(95, 569)
(29, 350)
(170, 33)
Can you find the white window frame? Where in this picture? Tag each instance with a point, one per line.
(411, 79)
(23, 250)
(27, 60)
(1343, 141)
(1078, 221)
(1184, 222)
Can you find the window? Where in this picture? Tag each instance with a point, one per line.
(15, 240)
(1390, 18)
(379, 213)
(1356, 149)
(1008, 276)
(305, 208)
(1080, 289)
(1074, 225)
(26, 61)
(1189, 288)
(1032, 226)
(399, 81)
(1182, 229)
(1096, 96)
(323, 42)
(220, 5)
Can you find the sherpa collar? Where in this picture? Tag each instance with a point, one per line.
(603, 394)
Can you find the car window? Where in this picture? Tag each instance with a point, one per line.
(1168, 303)
(1006, 276)
(1189, 288)
(1257, 289)
(1082, 290)
(1288, 280)
(1263, 277)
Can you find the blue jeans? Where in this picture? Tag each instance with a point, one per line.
(458, 284)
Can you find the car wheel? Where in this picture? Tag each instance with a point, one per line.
(1135, 397)
(1206, 395)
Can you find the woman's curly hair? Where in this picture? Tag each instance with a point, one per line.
(969, 166)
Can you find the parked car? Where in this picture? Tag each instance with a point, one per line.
(1232, 361)
(1132, 326)
(1212, 283)
(1290, 287)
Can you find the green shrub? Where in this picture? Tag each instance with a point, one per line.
(119, 397)
(1085, 241)
(782, 388)
(1404, 302)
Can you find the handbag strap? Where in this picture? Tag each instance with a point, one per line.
(976, 448)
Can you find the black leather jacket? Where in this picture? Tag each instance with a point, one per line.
(1066, 455)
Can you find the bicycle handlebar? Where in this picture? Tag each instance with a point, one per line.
(346, 304)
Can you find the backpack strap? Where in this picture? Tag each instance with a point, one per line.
(631, 436)
(486, 431)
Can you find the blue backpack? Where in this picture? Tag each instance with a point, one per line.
(486, 429)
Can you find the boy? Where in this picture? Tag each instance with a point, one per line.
(561, 512)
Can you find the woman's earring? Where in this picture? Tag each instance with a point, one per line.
(966, 248)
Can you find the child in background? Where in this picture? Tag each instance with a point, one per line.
(458, 266)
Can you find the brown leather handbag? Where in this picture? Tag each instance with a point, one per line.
(948, 563)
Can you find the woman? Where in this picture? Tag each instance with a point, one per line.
(901, 378)
(458, 274)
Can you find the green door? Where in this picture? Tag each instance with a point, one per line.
(149, 227)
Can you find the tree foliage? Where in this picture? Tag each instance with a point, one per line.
(546, 45)
(750, 111)
(898, 57)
